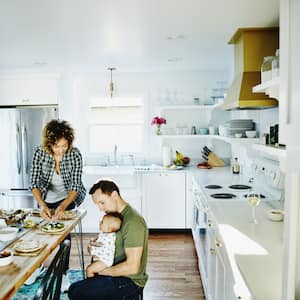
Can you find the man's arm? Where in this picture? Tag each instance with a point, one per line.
(130, 266)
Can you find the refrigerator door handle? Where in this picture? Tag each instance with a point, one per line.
(25, 149)
(18, 151)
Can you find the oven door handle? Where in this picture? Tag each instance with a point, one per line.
(200, 207)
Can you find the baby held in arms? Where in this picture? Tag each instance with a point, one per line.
(102, 248)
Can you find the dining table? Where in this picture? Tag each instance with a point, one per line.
(13, 275)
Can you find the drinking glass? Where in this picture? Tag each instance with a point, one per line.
(253, 199)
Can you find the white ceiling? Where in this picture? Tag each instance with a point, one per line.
(131, 35)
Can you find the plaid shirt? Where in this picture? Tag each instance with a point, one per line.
(42, 170)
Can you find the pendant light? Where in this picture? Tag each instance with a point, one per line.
(111, 84)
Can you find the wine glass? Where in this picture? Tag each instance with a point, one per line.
(253, 199)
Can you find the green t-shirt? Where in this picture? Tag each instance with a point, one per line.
(133, 233)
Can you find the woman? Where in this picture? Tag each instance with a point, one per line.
(55, 177)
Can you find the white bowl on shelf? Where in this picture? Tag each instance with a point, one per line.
(250, 133)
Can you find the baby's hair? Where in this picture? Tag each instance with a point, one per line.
(117, 220)
(115, 214)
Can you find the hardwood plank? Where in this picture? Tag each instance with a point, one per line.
(172, 266)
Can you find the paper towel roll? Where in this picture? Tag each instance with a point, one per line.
(166, 156)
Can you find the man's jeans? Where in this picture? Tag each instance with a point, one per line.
(103, 287)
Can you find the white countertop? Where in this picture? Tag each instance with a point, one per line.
(256, 250)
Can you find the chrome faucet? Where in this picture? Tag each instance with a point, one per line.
(115, 154)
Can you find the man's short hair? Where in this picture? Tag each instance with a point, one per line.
(106, 186)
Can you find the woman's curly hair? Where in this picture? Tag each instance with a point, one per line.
(54, 131)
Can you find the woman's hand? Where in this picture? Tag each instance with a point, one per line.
(58, 212)
(45, 213)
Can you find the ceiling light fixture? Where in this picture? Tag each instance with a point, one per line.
(111, 84)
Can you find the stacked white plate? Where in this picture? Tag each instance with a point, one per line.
(239, 126)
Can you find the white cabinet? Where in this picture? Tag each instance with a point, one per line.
(163, 200)
(129, 187)
(28, 91)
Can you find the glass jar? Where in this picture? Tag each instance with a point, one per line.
(275, 65)
(266, 69)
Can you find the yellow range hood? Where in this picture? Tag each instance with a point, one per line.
(251, 45)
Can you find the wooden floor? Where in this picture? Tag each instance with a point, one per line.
(172, 267)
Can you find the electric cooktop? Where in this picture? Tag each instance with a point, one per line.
(213, 186)
(240, 187)
(223, 196)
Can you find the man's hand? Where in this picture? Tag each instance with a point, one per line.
(89, 271)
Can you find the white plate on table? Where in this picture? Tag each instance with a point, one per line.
(28, 246)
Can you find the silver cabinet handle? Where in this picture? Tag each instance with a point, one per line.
(23, 148)
(212, 251)
(25, 151)
(218, 244)
(18, 153)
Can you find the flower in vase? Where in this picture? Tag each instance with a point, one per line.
(158, 121)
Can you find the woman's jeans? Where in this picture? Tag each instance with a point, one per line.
(104, 287)
(68, 237)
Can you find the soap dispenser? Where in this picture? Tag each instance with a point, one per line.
(236, 166)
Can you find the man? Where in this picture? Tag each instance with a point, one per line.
(128, 275)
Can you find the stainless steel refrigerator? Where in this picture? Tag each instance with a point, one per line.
(20, 132)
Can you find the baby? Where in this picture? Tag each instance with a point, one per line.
(102, 248)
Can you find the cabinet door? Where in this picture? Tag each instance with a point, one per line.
(220, 277)
(28, 91)
(163, 203)
(189, 201)
(211, 265)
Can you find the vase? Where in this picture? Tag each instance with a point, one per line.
(158, 131)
